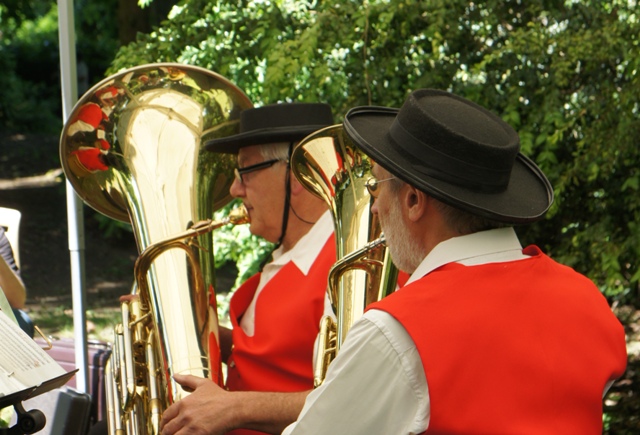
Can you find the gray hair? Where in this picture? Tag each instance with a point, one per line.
(458, 220)
(278, 151)
(464, 222)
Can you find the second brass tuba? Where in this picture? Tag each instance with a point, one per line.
(329, 165)
(132, 150)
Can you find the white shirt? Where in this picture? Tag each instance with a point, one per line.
(376, 384)
(303, 254)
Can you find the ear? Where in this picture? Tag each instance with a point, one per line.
(296, 186)
(415, 203)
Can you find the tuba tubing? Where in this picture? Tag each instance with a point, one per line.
(144, 262)
(328, 164)
(349, 303)
(132, 150)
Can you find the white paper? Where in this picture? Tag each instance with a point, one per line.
(23, 363)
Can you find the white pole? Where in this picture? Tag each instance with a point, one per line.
(75, 217)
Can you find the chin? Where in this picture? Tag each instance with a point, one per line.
(406, 263)
(259, 231)
(255, 229)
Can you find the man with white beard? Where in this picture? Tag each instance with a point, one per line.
(486, 336)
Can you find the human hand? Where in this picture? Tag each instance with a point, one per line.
(206, 411)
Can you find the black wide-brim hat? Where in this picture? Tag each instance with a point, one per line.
(284, 122)
(456, 151)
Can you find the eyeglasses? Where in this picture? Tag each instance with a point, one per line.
(372, 186)
(239, 172)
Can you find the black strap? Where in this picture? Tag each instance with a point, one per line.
(287, 196)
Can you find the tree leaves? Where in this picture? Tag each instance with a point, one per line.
(565, 74)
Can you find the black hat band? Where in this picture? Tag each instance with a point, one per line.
(461, 173)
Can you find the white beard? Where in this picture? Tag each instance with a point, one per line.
(405, 252)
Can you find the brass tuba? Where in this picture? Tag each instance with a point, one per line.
(132, 150)
(329, 165)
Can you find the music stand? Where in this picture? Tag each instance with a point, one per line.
(33, 420)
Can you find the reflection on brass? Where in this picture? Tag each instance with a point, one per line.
(329, 165)
(132, 150)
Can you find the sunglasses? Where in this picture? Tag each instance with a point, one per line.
(239, 172)
(372, 186)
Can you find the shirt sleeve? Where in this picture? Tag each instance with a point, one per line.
(6, 252)
(375, 385)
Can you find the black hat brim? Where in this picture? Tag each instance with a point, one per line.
(526, 198)
(232, 144)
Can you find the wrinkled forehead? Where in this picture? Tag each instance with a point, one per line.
(250, 153)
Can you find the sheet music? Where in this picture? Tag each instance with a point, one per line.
(6, 307)
(23, 363)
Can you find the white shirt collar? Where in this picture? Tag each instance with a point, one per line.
(490, 246)
(304, 253)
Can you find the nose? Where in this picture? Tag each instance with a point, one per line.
(237, 189)
(374, 206)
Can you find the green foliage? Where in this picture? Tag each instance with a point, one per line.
(97, 35)
(30, 100)
(27, 101)
(564, 74)
(14, 12)
(5, 416)
(111, 228)
(577, 104)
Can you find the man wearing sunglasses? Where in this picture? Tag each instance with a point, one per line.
(275, 314)
(486, 337)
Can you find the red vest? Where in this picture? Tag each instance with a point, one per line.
(279, 356)
(523, 347)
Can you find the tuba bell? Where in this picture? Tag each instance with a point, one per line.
(328, 164)
(132, 150)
